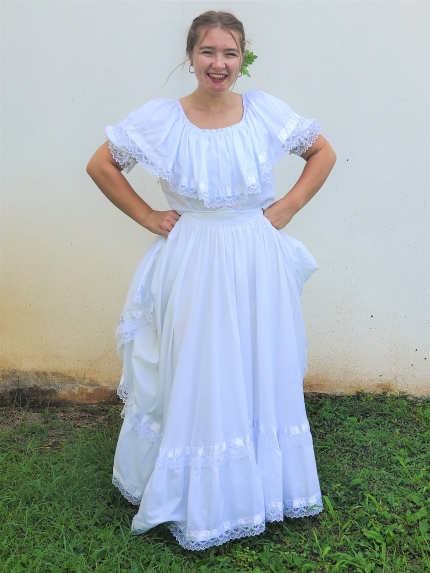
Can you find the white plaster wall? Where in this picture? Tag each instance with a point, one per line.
(360, 68)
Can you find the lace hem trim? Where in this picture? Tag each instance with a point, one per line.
(235, 533)
(236, 530)
(299, 140)
(126, 491)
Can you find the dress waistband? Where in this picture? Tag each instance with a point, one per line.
(222, 217)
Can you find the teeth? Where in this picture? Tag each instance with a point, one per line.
(217, 76)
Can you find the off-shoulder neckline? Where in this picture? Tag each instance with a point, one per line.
(228, 127)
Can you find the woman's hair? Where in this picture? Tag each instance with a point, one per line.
(212, 19)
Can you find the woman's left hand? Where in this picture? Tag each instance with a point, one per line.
(280, 213)
(320, 159)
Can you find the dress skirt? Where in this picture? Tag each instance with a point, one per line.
(215, 438)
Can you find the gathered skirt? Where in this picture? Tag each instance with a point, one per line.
(215, 438)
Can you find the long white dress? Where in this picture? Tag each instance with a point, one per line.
(215, 438)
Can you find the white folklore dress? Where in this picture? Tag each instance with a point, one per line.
(215, 438)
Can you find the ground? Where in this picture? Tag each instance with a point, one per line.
(59, 512)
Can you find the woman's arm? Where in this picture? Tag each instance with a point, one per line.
(320, 159)
(106, 174)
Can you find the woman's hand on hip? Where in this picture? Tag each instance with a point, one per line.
(280, 213)
(161, 222)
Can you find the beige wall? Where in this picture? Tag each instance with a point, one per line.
(70, 68)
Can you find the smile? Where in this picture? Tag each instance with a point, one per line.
(217, 76)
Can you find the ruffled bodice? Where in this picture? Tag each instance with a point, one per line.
(205, 169)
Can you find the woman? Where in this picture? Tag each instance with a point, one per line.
(215, 436)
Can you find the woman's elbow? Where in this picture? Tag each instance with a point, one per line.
(331, 155)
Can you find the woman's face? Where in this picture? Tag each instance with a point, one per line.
(217, 59)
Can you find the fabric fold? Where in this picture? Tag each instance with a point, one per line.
(221, 167)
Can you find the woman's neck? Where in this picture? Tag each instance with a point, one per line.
(212, 102)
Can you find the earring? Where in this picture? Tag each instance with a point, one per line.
(189, 69)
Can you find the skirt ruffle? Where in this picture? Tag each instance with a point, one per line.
(215, 436)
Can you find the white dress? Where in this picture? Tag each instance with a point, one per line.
(215, 438)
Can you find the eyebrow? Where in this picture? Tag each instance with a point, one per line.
(211, 48)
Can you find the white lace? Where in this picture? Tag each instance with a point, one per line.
(137, 322)
(302, 511)
(143, 424)
(205, 456)
(297, 143)
(274, 437)
(234, 533)
(126, 161)
(233, 529)
(299, 140)
(134, 154)
(227, 199)
(237, 531)
(123, 394)
(131, 494)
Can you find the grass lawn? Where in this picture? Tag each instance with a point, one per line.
(59, 512)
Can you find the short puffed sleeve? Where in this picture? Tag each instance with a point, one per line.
(289, 131)
(141, 136)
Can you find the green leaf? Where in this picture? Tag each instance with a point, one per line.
(373, 535)
(419, 514)
(248, 59)
(424, 526)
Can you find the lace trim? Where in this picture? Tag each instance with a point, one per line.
(235, 533)
(134, 496)
(299, 140)
(142, 423)
(131, 326)
(282, 437)
(227, 200)
(126, 490)
(135, 154)
(126, 161)
(306, 511)
(207, 456)
(238, 531)
(123, 393)
(219, 454)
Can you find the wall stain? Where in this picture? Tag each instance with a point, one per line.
(37, 388)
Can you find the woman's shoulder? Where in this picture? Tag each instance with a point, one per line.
(155, 111)
(266, 102)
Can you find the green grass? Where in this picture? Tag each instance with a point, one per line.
(59, 513)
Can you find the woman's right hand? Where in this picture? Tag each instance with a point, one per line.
(106, 173)
(161, 222)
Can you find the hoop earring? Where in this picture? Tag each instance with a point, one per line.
(239, 75)
(189, 69)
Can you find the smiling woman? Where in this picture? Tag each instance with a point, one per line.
(215, 436)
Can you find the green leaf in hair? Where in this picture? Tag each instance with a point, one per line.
(248, 59)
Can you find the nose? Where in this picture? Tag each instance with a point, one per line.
(218, 63)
